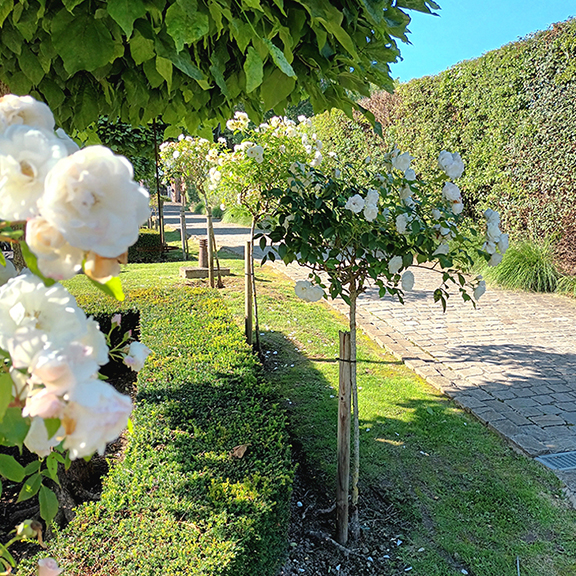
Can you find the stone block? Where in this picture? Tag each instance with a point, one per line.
(195, 272)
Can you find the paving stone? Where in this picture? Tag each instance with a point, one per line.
(505, 427)
(563, 397)
(550, 409)
(487, 415)
(543, 399)
(570, 417)
(547, 420)
(530, 411)
(522, 403)
(467, 402)
(529, 444)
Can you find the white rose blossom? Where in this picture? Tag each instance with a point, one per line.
(480, 289)
(410, 175)
(48, 567)
(451, 164)
(442, 249)
(402, 161)
(451, 192)
(26, 110)
(495, 259)
(308, 291)
(37, 440)
(92, 200)
(372, 197)
(407, 281)
(402, 221)
(26, 157)
(355, 204)
(136, 356)
(94, 415)
(395, 264)
(370, 212)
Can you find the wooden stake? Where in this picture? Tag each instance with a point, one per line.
(210, 249)
(343, 481)
(248, 292)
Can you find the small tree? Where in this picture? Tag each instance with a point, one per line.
(262, 162)
(351, 234)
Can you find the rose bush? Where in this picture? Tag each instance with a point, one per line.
(82, 211)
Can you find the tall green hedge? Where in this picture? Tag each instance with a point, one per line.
(511, 114)
(181, 502)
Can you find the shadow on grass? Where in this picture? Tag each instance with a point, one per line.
(462, 494)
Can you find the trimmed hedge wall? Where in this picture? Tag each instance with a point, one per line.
(147, 249)
(511, 114)
(180, 502)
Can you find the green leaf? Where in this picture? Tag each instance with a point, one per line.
(48, 504)
(11, 469)
(130, 426)
(82, 42)
(30, 488)
(52, 93)
(71, 4)
(254, 69)
(32, 467)
(279, 59)
(32, 263)
(112, 288)
(142, 49)
(5, 393)
(276, 88)
(125, 12)
(52, 426)
(6, 7)
(13, 428)
(185, 25)
(164, 68)
(217, 71)
(152, 75)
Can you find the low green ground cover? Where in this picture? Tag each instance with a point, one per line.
(463, 494)
(181, 500)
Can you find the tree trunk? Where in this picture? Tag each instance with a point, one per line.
(248, 292)
(343, 480)
(354, 524)
(210, 232)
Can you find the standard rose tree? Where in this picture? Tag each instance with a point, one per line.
(82, 210)
(354, 230)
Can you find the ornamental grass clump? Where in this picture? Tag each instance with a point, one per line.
(527, 265)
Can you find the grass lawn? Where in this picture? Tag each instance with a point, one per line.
(466, 499)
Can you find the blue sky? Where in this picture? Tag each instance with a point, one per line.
(469, 28)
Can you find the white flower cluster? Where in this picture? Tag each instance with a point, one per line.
(80, 204)
(394, 266)
(256, 152)
(451, 164)
(308, 291)
(239, 122)
(495, 239)
(56, 353)
(369, 204)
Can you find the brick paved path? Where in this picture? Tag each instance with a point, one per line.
(511, 362)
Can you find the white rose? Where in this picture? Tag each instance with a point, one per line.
(457, 208)
(317, 160)
(370, 212)
(395, 265)
(137, 354)
(451, 164)
(405, 192)
(215, 175)
(301, 288)
(26, 157)
(25, 110)
(25, 344)
(44, 404)
(56, 258)
(91, 198)
(402, 161)
(492, 217)
(495, 259)
(70, 145)
(489, 247)
(436, 214)
(402, 221)
(410, 175)
(503, 243)
(48, 567)
(479, 290)
(355, 203)
(37, 440)
(407, 281)
(7, 271)
(493, 233)
(95, 415)
(25, 302)
(372, 197)
(451, 192)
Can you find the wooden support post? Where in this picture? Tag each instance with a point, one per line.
(344, 414)
(210, 249)
(248, 292)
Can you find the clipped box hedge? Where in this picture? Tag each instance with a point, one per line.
(180, 502)
(147, 249)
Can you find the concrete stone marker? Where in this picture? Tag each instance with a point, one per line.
(197, 272)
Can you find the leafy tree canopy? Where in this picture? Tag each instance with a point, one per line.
(193, 61)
